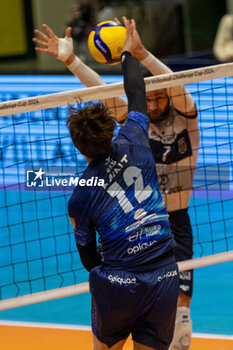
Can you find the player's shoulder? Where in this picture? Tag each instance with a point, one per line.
(138, 117)
(81, 192)
(79, 197)
(136, 126)
(188, 115)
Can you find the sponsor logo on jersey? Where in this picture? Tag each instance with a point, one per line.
(182, 145)
(147, 231)
(167, 275)
(121, 280)
(140, 246)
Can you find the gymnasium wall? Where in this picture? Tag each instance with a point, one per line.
(55, 13)
(168, 28)
(12, 28)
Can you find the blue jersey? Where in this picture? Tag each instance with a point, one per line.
(128, 212)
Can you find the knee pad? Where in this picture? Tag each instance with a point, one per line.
(183, 330)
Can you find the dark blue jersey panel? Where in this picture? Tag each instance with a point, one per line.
(128, 212)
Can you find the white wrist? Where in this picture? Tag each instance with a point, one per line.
(84, 73)
(154, 65)
(65, 48)
(74, 65)
(148, 60)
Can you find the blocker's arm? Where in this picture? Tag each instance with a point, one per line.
(62, 49)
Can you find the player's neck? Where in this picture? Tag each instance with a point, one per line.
(89, 160)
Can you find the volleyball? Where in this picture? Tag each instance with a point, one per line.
(106, 41)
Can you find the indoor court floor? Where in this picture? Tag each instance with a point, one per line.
(28, 337)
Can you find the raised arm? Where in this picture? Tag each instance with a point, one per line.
(133, 79)
(180, 97)
(62, 49)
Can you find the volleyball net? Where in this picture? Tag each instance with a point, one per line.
(40, 167)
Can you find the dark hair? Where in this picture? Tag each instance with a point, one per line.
(91, 129)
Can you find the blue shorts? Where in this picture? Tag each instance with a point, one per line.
(182, 231)
(143, 304)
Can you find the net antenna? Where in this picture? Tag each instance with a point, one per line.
(39, 258)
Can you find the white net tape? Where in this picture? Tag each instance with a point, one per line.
(113, 90)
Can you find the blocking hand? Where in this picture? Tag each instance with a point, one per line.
(133, 41)
(60, 48)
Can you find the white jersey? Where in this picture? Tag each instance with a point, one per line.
(175, 143)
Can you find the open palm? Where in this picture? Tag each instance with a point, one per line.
(48, 43)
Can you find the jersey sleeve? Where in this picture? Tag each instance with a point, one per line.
(78, 209)
(133, 83)
(191, 116)
(135, 130)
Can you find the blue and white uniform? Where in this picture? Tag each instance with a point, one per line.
(128, 212)
(135, 288)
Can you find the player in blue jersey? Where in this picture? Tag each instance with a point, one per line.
(174, 139)
(135, 286)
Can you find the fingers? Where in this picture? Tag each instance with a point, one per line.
(47, 43)
(41, 35)
(133, 42)
(68, 32)
(128, 23)
(39, 49)
(40, 42)
(133, 24)
(48, 30)
(128, 41)
(117, 20)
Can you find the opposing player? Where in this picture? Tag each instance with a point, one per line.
(135, 289)
(223, 43)
(174, 139)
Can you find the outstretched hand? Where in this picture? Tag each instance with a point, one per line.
(52, 45)
(129, 24)
(133, 42)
